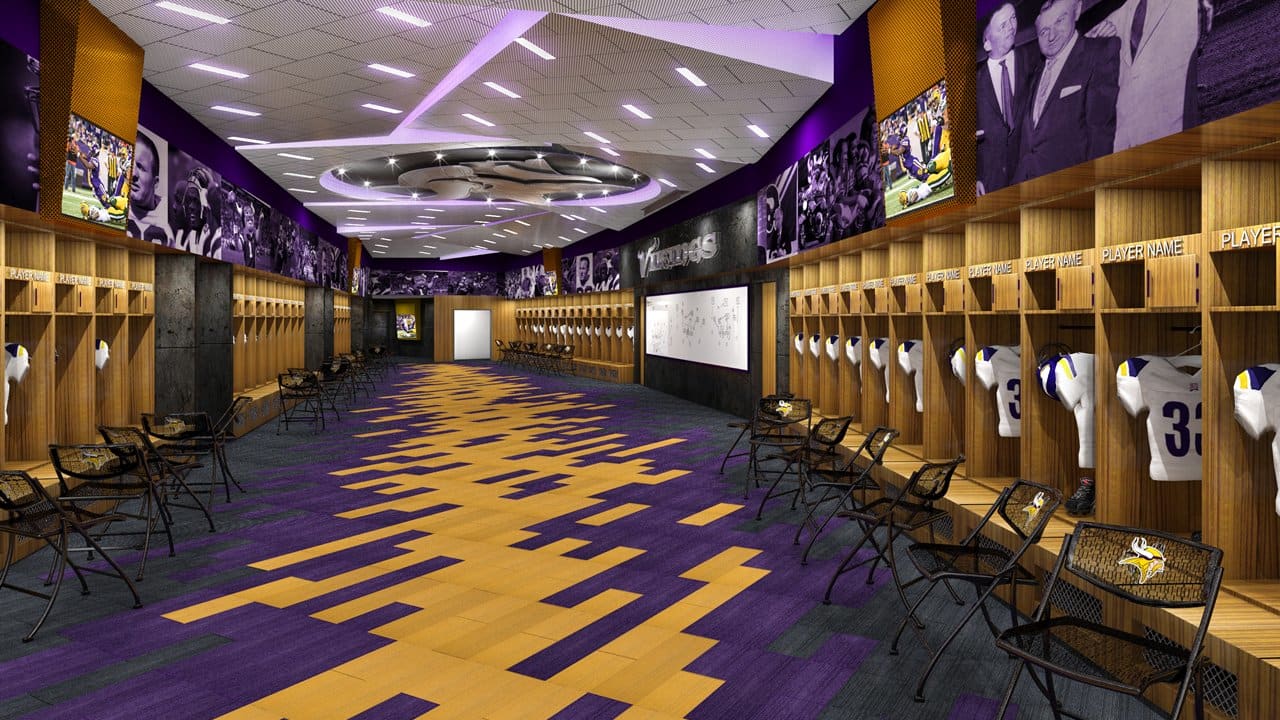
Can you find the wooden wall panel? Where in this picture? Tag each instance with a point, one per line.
(769, 338)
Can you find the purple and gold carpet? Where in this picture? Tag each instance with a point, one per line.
(483, 545)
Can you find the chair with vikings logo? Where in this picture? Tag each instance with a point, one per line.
(1135, 568)
(1026, 507)
(781, 424)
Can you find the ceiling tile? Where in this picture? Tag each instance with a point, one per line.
(219, 39)
(322, 66)
(305, 44)
(285, 18)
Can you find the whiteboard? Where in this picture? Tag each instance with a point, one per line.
(707, 326)
(471, 334)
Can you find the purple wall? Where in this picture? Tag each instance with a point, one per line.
(851, 91)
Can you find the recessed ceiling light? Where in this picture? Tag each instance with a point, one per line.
(193, 12)
(357, 210)
(367, 183)
(584, 232)
(419, 222)
(381, 108)
(378, 252)
(385, 238)
(756, 129)
(706, 167)
(295, 157)
(300, 175)
(582, 161)
(637, 112)
(391, 161)
(666, 182)
(432, 247)
(235, 111)
(439, 236)
(433, 209)
(566, 217)
(219, 71)
(481, 247)
(492, 215)
(579, 196)
(688, 75)
(489, 241)
(564, 238)
(596, 137)
(510, 232)
(302, 190)
(379, 245)
(342, 171)
(611, 151)
(251, 141)
(390, 70)
(524, 223)
(504, 91)
(704, 153)
(400, 15)
(423, 252)
(599, 210)
(505, 209)
(478, 119)
(414, 196)
(355, 222)
(635, 176)
(534, 49)
(579, 218)
(427, 217)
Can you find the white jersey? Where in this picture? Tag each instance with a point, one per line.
(1069, 378)
(815, 345)
(880, 349)
(800, 343)
(853, 350)
(1171, 398)
(999, 367)
(958, 364)
(911, 360)
(833, 347)
(1257, 391)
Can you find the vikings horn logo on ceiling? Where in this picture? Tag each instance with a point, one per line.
(535, 176)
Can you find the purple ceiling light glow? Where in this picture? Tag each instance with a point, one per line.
(513, 25)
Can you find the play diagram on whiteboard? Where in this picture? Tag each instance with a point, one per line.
(708, 326)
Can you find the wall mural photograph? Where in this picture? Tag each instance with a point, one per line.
(95, 186)
(915, 152)
(19, 128)
(148, 191)
(244, 219)
(833, 192)
(592, 272)
(415, 284)
(528, 282)
(195, 206)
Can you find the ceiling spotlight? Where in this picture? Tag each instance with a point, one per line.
(477, 119)
(616, 169)
(635, 176)
(218, 71)
(439, 156)
(492, 152)
(343, 171)
(391, 161)
(704, 153)
(367, 183)
(534, 49)
(539, 156)
(381, 108)
(706, 168)
(579, 196)
(605, 193)
(489, 201)
(295, 157)
(391, 70)
(415, 196)
(758, 131)
(235, 111)
(251, 141)
(400, 15)
(499, 88)
(637, 112)
(688, 75)
(582, 161)
(596, 137)
(192, 12)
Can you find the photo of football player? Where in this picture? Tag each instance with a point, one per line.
(195, 205)
(915, 153)
(96, 186)
(148, 213)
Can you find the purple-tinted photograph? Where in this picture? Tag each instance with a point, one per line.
(333, 266)
(19, 127)
(304, 259)
(284, 242)
(473, 283)
(148, 190)
(195, 205)
(244, 218)
(608, 275)
(417, 283)
(580, 274)
(776, 215)
(360, 281)
(528, 282)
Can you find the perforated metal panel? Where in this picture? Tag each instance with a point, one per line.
(1222, 687)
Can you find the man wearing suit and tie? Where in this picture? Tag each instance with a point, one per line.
(1072, 114)
(1004, 85)
(1158, 39)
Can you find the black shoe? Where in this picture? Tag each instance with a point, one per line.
(1081, 503)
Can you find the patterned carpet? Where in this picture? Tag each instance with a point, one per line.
(481, 544)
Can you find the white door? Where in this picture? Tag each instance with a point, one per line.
(471, 334)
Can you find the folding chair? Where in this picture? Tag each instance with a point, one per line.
(93, 476)
(34, 514)
(838, 485)
(910, 509)
(744, 427)
(188, 438)
(1134, 568)
(300, 399)
(784, 425)
(223, 435)
(1027, 508)
(820, 448)
(325, 396)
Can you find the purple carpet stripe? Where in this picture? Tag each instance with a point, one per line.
(536, 487)
(975, 707)
(504, 476)
(592, 707)
(400, 706)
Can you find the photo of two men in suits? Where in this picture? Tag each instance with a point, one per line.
(1061, 82)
